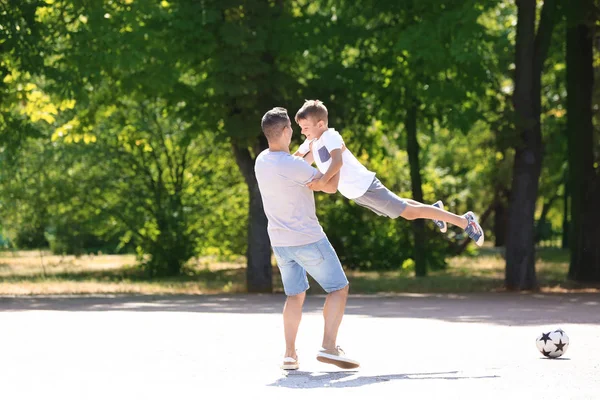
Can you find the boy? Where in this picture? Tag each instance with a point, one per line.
(327, 149)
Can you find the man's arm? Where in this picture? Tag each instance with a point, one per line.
(329, 187)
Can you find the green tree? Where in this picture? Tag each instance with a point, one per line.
(160, 178)
(138, 175)
(531, 51)
(584, 174)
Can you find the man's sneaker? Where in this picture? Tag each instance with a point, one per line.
(337, 357)
(290, 364)
(473, 228)
(441, 224)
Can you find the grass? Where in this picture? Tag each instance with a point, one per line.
(481, 273)
(40, 273)
(36, 272)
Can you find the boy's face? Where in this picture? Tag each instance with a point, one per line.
(311, 128)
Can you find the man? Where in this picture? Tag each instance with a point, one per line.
(298, 240)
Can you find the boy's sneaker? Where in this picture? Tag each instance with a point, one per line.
(473, 228)
(441, 224)
(337, 357)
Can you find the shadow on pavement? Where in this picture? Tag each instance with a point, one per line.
(304, 380)
(494, 308)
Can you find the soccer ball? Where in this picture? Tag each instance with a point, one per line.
(553, 344)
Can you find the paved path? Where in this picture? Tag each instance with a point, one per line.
(199, 347)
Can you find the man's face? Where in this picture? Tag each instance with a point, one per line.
(311, 128)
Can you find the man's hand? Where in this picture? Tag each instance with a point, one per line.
(316, 185)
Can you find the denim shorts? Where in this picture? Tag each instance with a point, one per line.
(318, 259)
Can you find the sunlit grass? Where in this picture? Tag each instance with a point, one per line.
(481, 273)
(35, 272)
(40, 273)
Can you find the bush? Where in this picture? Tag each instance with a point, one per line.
(76, 239)
(30, 237)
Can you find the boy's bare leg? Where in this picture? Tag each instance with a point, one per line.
(333, 311)
(292, 314)
(416, 210)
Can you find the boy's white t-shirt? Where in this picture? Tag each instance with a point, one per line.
(355, 178)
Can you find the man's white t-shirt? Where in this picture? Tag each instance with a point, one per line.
(355, 178)
(288, 203)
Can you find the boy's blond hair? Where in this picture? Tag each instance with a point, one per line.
(312, 109)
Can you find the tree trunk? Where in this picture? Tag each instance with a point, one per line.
(531, 51)
(412, 148)
(259, 271)
(585, 183)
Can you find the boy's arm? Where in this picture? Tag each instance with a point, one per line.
(335, 166)
(332, 185)
(334, 169)
(308, 157)
(305, 151)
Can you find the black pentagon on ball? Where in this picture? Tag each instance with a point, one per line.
(545, 337)
(547, 354)
(560, 345)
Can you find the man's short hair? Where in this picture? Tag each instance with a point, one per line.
(312, 109)
(273, 122)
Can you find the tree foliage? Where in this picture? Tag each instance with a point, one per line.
(133, 126)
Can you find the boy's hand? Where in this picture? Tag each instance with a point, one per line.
(316, 185)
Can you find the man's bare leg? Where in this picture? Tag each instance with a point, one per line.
(333, 312)
(292, 314)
